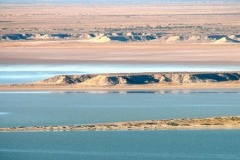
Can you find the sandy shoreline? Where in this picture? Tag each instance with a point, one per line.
(230, 122)
(134, 81)
(132, 87)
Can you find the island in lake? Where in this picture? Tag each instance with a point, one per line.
(134, 80)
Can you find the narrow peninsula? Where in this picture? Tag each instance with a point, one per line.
(230, 122)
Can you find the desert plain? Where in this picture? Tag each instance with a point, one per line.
(178, 33)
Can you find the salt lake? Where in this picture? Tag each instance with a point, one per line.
(41, 108)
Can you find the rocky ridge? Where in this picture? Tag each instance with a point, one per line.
(141, 78)
(124, 37)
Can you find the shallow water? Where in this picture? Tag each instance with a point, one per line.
(30, 108)
(10, 74)
(121, 145)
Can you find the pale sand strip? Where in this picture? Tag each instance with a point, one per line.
(13, 53)
(230, 122)
(214, 85)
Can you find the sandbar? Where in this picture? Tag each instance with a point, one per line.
(230, 122)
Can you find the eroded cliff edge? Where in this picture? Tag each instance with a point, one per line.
(141, 78)
(149, 80)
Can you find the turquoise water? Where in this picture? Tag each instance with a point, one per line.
(121, 145)
(40, 108)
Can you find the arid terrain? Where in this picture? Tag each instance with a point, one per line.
(160, 22)
(192, 33)
(120, 53)
(204, 33)
(134, 81)
(186, 123)
(141, 78)
(161, 33)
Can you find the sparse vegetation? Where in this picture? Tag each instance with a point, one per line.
(206, 124)
(172, 124)
(191, 123)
